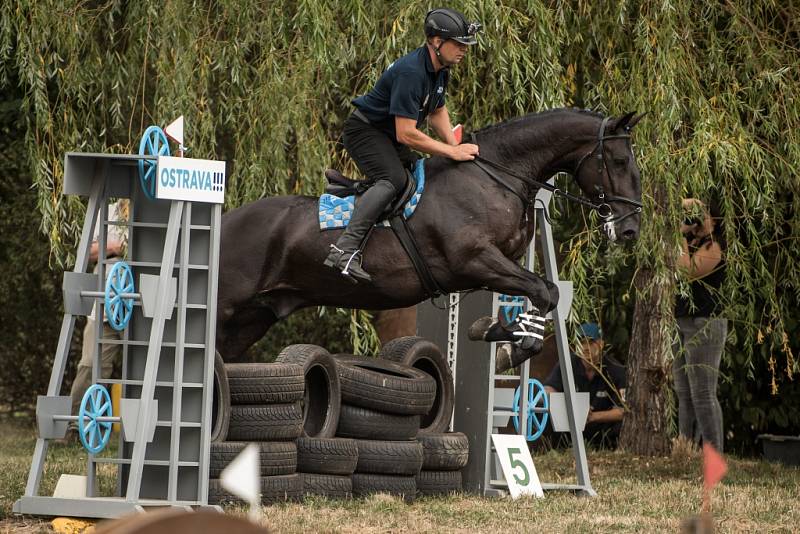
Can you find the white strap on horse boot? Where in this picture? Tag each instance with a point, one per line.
(531, 330)
(527, 331)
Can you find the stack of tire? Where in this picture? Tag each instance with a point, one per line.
(325, 463)
(396, 408)
(262, 404)
(362, 425)
(444, 454)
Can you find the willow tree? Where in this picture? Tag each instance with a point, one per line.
(266, 86)
(718, 80)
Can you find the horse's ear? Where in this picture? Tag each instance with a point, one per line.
(623, 121)
(635, 120)
(628, 121)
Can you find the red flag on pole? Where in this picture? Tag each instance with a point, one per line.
(714, 466)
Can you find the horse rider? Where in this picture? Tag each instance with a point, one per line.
(384, 128)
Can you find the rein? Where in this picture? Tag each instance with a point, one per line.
(603, 208)
(481, 162)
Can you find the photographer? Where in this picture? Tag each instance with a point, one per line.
(701, 327)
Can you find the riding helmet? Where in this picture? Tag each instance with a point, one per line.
(450, 24)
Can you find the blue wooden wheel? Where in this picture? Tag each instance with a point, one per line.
(94, 434)
(511, 307)
(119, 309)
(538, 404)
(153, 143)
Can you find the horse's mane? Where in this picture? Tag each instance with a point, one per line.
(538, 115)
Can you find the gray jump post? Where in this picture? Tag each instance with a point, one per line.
(167, 341)
(481, 406)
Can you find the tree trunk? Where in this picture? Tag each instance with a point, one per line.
(644, 428)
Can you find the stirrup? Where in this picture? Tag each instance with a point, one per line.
(357, 273)
(346, 270)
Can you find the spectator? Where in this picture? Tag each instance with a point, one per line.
(701, 327)
(604, 380)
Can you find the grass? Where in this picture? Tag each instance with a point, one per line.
(634, 495)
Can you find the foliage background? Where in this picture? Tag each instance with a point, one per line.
(266, 85)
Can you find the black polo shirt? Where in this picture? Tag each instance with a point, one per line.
(602, 396)
(409, 87)
(705, 301)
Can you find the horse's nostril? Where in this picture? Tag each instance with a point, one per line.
(629, 234)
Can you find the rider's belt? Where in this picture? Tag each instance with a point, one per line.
(360, 116)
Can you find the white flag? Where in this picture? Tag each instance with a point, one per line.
(175, 130)
(242, 478)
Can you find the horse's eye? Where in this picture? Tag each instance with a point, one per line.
(621, 161)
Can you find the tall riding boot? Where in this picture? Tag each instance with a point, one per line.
(345, 255)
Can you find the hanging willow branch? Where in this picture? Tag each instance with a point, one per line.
(266, 86)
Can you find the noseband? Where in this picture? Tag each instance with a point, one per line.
(603, 207)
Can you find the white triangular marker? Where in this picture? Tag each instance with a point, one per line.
(242, 478)
(175, 130)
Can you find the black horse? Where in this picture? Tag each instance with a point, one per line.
(472, 225)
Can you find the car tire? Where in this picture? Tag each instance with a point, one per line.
(323, 397)
(424, 355)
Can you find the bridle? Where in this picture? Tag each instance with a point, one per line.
(603, 207)
(603, 166)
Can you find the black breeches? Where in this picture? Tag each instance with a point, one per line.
(377, 156)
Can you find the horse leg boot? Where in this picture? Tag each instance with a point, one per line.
(527, 330)
(345, 255)
(510, 355)
(502, 275)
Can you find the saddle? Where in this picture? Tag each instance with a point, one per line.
(341, 186)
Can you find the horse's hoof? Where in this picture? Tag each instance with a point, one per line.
(510, 355)
(477, 330)
(531, 345)
(502, 358)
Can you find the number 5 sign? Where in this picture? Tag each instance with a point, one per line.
(517, 464)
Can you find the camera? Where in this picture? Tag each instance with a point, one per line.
(693, 222)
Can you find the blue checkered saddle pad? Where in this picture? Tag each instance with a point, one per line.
(335, 212)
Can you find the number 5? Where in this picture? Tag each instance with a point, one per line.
(526, 478)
